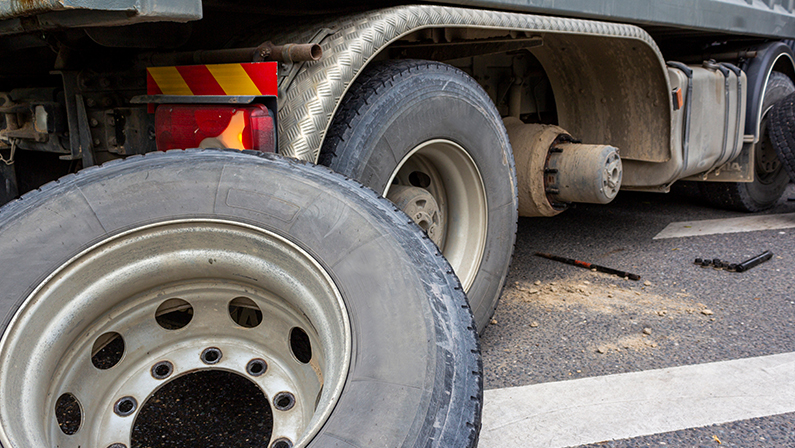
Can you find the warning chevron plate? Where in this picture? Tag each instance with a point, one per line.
(247, 79)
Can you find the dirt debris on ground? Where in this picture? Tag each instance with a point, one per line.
(602, 297)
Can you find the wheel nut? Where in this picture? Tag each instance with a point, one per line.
(211, 355)
(125, 406)
(284, 401)
(256, 367)
(162, 370)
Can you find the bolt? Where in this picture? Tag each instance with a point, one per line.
(94, 123)
(97, 142)
(90, 102)
(112, 141)
(104, 82)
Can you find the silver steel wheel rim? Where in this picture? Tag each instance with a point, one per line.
(457, 186)
(118, 285)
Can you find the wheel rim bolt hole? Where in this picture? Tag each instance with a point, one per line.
(419, 179)
(282, 443)
(125, 406)
(174, 314)
(257, 367)
(162, 370)
(211, 355)
(68, 413)
(300, 345)
(284, 401)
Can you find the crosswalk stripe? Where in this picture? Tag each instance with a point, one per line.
(728, 225)
(591, 410)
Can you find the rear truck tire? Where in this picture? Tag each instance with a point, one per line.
(781, 127)
(770, 177)
(126, 279)
(426, 136)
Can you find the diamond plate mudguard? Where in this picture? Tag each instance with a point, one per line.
(309, 93)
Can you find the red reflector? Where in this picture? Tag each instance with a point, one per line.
(180, 126)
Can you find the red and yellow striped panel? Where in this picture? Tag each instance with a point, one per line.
(254, 78)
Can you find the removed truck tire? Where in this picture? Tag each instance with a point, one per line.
(427, 137)
(126, 282)
(770, 177)
(781, 127)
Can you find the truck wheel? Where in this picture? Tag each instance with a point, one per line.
(426, 136)
(781, 126)
(770, 177)
(134, 294)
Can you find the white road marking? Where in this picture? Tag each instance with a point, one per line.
(591, 410)
(729, 225)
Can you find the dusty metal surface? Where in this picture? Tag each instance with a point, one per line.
(177, 8)
(309, 95)
(610, 91)
(94, 12)
(531, 143)
(772, 18)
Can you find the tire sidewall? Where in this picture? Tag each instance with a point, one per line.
(779, 86)
(412, 346)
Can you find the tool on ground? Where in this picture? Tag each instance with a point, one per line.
(717, 263)
(586, 265)
(751, 262)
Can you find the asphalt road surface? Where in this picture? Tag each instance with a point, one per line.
(685, 357)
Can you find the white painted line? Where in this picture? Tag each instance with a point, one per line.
(591, 410)
(729, 225)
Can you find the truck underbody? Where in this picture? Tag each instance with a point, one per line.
(463, 116)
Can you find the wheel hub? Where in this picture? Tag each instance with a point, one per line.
(421, 206)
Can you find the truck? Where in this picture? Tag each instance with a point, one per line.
(273, 224)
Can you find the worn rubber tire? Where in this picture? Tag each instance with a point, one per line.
(781, 126)
(395, 106)
(415, 376)
(765, 190)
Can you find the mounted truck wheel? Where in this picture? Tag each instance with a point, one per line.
(426, 136)
(770, 176)
(781, 126)
(145, 294)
